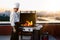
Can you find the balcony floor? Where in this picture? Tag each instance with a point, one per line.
(7, 37)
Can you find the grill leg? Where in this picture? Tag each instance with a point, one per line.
(36, 35)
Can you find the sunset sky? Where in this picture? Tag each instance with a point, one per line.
(48, 5)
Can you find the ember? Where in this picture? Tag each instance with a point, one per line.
(28, 23)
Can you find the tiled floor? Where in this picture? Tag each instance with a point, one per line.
(4, 37)
(7, 37)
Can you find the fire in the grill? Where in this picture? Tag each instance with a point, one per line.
(27, 23)
(27, 19)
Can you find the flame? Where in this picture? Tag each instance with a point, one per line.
(28, 23)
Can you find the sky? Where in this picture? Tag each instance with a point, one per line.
(47, 5)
